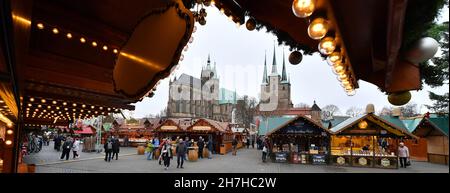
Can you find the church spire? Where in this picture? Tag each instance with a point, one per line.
(208, 66)
(274, 62)
(264, 81)
(214, 70)
(283, 73)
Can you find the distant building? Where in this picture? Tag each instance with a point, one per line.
(276, 85)
(281, 92)
(190, 97)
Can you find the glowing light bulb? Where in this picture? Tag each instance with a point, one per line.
(318, 28)
(327, 45)
(303, 8)
(40, 26)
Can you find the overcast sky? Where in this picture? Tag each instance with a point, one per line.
(239, 55)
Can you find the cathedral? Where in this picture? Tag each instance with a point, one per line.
(190, 97)
(275, 88)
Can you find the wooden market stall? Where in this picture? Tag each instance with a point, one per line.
(434, 129)
(367, 141)
(219, 132)
(136, 133)
(300, 140)
(67, 60)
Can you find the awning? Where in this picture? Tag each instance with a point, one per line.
(84, 130)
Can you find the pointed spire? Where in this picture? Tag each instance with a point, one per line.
(214, 70)
(208, 62)
(274, 62)
(264, 81)
(283, 73)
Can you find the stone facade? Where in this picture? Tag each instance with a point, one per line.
(276, 86)
(190, 97)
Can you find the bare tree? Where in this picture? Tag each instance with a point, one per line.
(385, 111)
(409, 110)
(354, 111)
(302, 105)
(245, 110)
(331, 109)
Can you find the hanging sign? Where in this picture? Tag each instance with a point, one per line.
(362, 161)
(169, 128)
(319, 159)
(281, 157)
(340, 160)
(201, 128)
(385, 162)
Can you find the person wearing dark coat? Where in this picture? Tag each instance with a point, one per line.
(108, 149)
(57, 141)
(201, 145)
(115, 148)
(67, 146)
(210, 148)
(181, 153)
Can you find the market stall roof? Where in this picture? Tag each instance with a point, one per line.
(86, 129)
(238, 129)
(411, 124)
(305, 118)
(439, 124)
(442, 123)
(389, 126)
(396, 121)
(216, 125)
(181, 124)
(335, 120)
(267, 124)
(98, 55)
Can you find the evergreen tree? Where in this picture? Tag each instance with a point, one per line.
(436, 73)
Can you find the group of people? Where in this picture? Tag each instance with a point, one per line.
(112, 148)
(249, 141)
(165, 148)
(70, 144)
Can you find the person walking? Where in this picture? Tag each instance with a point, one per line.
(403, 154)
(187, 144)
(248, 142)
(258, 143)
(234, 144)
(108, 149)
(200, 145)
(160, 148)
(66, 147)
(166, 154)
(149, 149)
(265, 150)
(76, 148)
(210, 147)
(181, 153)
(125, 141)
(115, 147)
(253, 143)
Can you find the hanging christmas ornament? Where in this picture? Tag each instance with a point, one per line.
(181, 57)
(202, 21)
(207, 2)
(250, 24)
(399, 98)
(423, 50)
(295, 57)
